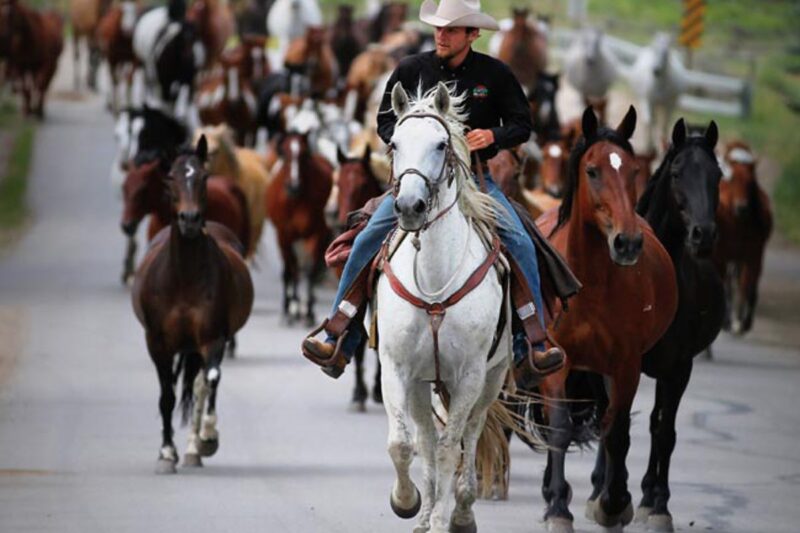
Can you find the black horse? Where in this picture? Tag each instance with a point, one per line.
(544, 115)
(679, 203)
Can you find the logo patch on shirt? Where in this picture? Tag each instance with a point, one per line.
(480, 91)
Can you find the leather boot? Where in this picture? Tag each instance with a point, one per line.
(325, 354)
(537, 365)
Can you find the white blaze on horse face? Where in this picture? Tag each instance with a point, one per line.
(615, 160)
(294, 168)
(740, 155)
(233, 84)
(555, 151)
(137, 125)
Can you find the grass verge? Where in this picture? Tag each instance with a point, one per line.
(14, 177)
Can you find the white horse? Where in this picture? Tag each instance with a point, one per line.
(288, 19)
(431, 169)
(589, 66)
(658, 78)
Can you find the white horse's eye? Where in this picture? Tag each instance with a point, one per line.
(442, 146)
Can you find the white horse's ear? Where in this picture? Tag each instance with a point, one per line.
(679, 133)
(589, 123)
(712, 134)
(399, 100)
(442, 99)
(628, 124)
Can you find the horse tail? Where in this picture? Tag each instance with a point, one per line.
(189, 365)
(245, 233)
(176, 10)
(492, 457)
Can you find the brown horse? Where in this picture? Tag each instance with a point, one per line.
(524, 50)
(347, 41)
(114, 36)
(192, 293)
(364, 73)
(628, 300)
(645, 162)
(32, 44)
(84, 16)
(744, 224)
(312, 56)
(295, 202)
(215, 24)
(508, 169)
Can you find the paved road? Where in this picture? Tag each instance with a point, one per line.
(79, 425)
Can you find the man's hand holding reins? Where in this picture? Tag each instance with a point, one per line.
(479, 139)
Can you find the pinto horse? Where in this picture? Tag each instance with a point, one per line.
(295, 202)
(680, 203)
(627, 302)
(191, 294)
(32, 43)
(744, 221)
(524, 50)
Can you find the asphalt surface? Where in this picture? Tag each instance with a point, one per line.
(80, 430)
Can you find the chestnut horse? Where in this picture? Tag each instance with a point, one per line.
(744, 221)
(32, 44)
(191, 294)
(680, 203)
(311, 56)
(115, 40)
(627, 302)
(84, 17)
(295, 202)
(524, 50)
(215, 24)
(357, 183)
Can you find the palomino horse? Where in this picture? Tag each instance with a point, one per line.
(438, 313)
(164, 41)
(312, 57)
(658, 78)
(744, 221)
(115, 41)
(32, 44)
(589, 66)
(246, 168)
(84, 17)
(192, 293)
(356, 183)
(627, 302)
(524, 50)
(295, 202)
(680, 203)
(215, 24)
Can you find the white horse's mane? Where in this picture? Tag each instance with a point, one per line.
(473, 203)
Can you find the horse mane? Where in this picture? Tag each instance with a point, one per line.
(573, 166)
(473, 203)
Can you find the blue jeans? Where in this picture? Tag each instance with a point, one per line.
(369, 241)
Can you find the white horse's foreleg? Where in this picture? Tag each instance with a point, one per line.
(404, 498)
(448, 448)
(192, 456)
(421, 411)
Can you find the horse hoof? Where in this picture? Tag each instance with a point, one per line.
(207, 448)
(412, 511)
(166, 466)
(377, 396)
(589, 512)
(358, 406)
(609, 521)
(660, 523)
(192, 460)
(557, 524)
(642, 513)
(469, 528)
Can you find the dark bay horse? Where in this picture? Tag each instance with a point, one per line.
(114, 37)
(191, 294)
(680, 204)
(31, 43)
(346, 39)
(357, 184)
(544, 113)
(295, 202)
(744, 223)
(627, 302)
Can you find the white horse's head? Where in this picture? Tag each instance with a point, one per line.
(661, 54)
(423, 149)
(591, 42)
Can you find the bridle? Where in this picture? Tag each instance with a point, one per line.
(449, 166)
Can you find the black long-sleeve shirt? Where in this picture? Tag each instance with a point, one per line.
(495, 99)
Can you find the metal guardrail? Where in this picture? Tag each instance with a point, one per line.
(707, 93)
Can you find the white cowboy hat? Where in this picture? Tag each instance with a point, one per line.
(457, 13)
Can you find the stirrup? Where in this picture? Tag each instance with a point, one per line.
(336, 357)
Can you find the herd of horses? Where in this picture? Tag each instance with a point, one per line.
(222, 139)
